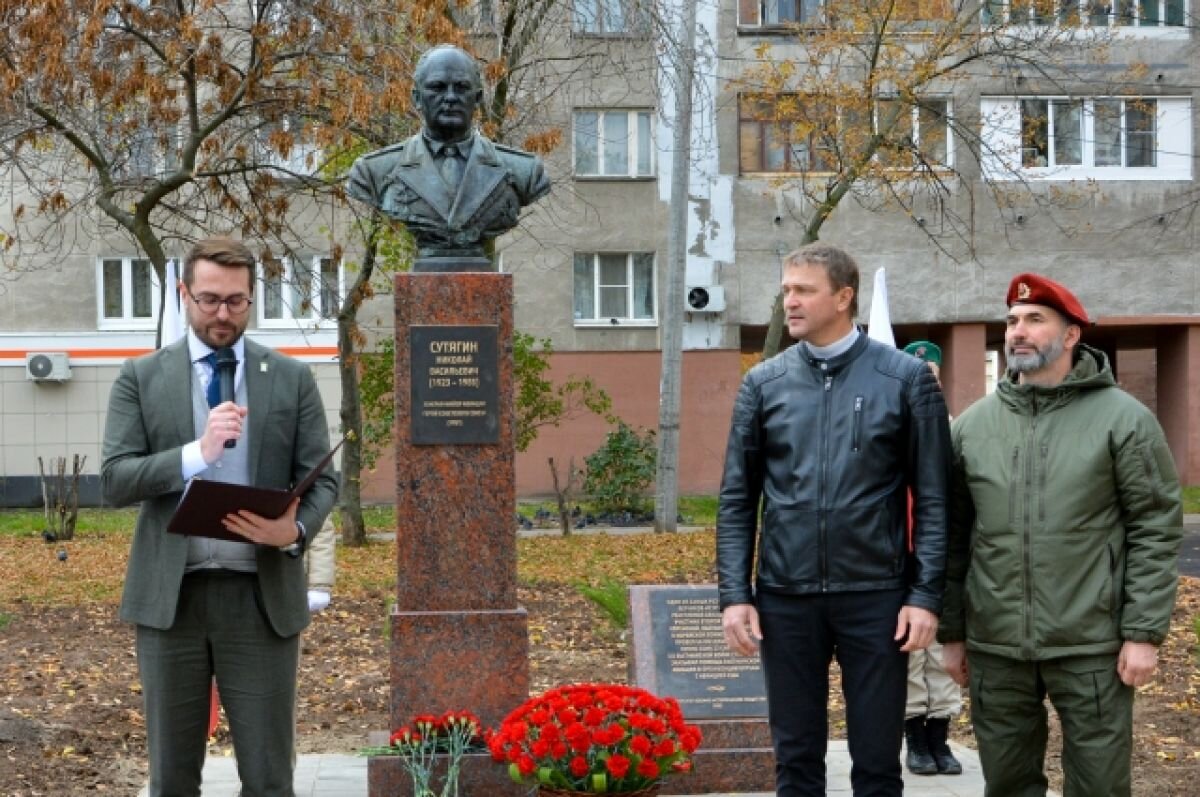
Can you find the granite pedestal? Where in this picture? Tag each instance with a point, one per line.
(459, 641)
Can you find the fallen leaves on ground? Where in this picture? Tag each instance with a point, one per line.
(70, 704)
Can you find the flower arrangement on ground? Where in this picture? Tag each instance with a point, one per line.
(429, 739)
(595, 739)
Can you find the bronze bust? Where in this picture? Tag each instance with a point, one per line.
(450, 186)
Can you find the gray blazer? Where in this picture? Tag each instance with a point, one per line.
(150, 420)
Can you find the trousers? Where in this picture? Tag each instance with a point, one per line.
(220, 630)
(801, 635)
(1008, 711)
(931, 690)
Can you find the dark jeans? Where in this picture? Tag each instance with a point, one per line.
(801, 634)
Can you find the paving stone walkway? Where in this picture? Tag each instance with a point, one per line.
(346, 776)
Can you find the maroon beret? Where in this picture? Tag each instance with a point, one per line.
(1035, 289)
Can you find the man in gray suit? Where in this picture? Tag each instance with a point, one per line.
(451, 187)
(205, 607)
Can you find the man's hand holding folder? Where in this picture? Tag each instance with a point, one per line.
(242, 513)
(278, 531)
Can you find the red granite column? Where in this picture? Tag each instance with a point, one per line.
(1179, 396)
(963, 366)
(458, 637)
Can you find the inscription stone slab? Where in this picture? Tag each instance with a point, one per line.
(679, 650)
(454, 378)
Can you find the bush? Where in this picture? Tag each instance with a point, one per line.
(621, 470)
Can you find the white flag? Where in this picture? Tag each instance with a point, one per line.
(173, 326)
(879, 325)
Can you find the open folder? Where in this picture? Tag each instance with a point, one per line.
(206, 503)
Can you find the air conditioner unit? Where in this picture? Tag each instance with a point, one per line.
(705, 299)
(47, 366)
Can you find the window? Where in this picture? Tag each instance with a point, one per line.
(916, 134)
(147, 153)
(1053, 132)
(474, 15)
(282, 143)
(790, 133)
(785, 134)
(128, 295)
(1101, 138)
(614, 287)
(786, 13)
(776, 12)
(613, 144)
(1090, 13)
(610, 16)
(298, 290)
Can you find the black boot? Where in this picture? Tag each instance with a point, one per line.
(918, 760)
(936, 731)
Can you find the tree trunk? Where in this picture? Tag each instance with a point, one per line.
(563, 493)
(666, 496)
(354, 532)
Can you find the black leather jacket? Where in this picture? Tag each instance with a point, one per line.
(831, 450)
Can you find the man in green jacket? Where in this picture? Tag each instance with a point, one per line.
(1064, 539)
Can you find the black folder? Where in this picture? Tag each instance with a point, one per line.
(205, 503)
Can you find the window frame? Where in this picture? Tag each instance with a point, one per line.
(632, 142)
(637, 22)
(127, 321)
(295, 166)
(318, 316)
(1007, 144)
(598, 321)
(815, 150)
(1078, 14)
(913, 16)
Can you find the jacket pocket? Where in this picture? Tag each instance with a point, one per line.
(864, 545)
(1072, 605)
(790, 554)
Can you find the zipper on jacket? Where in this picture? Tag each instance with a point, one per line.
(822, 542)
(854, 433)
(1042, 484)
(1028, 642)
(1013, 480)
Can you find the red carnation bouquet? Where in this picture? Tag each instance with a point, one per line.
(428, 737)
(595, 739)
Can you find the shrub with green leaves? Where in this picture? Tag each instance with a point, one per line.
(621, 471)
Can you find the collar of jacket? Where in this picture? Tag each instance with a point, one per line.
(1090, 372)
(835, 364)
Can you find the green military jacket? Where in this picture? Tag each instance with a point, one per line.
(1065, 520)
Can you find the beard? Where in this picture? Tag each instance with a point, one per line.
(1039, 359)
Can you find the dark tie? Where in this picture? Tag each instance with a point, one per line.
(214, 382)
(452, 165)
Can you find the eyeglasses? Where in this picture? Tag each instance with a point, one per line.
(211, 305)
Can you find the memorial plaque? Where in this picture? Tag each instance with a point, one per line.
(455, 391)
(679, 650)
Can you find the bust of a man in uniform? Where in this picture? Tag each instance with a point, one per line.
(451, 187)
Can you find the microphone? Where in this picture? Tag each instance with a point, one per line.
(227, 369)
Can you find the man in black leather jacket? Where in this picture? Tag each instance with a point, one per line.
(828, 438)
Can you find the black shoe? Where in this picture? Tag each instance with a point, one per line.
(936, 731)
(919, 760)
